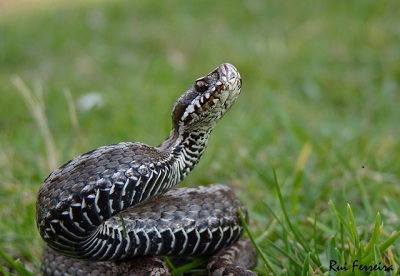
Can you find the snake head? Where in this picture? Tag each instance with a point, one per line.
(207, 100)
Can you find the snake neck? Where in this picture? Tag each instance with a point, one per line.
(185, 150)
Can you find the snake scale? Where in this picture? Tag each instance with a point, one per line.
(111, 210)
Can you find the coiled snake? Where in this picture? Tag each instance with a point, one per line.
(116, 203)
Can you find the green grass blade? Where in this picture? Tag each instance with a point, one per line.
(339, 217)
(169, 263)
(123, 225)
(15, 264)
(384, 245)
(378, 261)
(332, 255)
(192, 265)
(250, 235)
(296, 233)
(306, 266)
(299, 177)
(353, 227)
(3, 271)
(293, 258)
(376, 234)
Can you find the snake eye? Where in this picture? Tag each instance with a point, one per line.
(200, 86)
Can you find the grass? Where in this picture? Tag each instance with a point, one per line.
(311, 147)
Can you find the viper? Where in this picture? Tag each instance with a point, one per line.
(114, 210)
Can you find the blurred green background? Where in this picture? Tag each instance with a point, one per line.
(319, 102)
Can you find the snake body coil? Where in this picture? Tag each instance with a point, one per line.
(82, 206)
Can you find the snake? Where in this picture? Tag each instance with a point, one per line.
(114, 210)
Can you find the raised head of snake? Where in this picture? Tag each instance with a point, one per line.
(205, 102)
(207, 99)
(76, 201)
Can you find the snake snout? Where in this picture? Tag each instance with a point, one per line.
(230, 76)
(228, 71)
